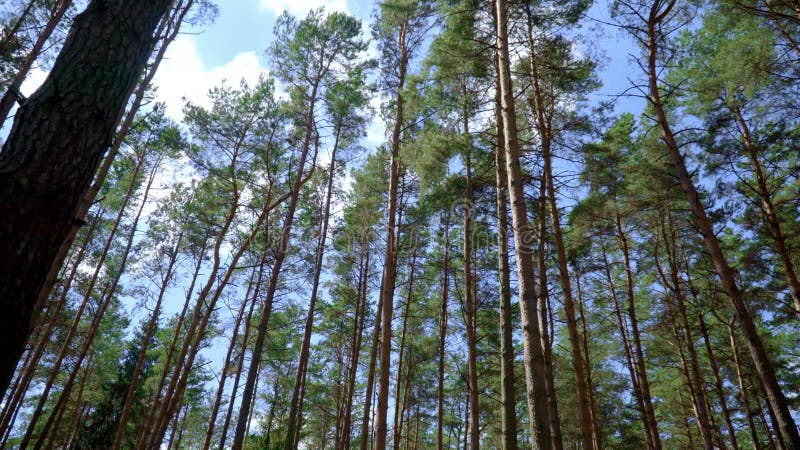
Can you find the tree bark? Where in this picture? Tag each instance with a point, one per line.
(54, 147)
(534, 360)
(507, 378)
(390, 258)
(11, 96)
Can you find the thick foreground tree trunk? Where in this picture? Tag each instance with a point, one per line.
(53, 150)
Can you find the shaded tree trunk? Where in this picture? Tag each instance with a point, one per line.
(54, 148)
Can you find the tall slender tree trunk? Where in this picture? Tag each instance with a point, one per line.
(542, 124)
(54, 147)
(355, 352)
(712, 360)
(150, 329)
(302, 363)
(390, 258)
(507, 378)
(470, 299)
(365, 437)
(693, 374)
(641, 369)
(242, 352)
(786, 426)
(228, 361)
(156, 411)
(769, 212)
(596, 430)
(543, 302)
(653, 440)
(442, 339)
(534, 359)
(280, 256)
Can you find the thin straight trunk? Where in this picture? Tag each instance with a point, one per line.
(54, 148)
(718, 383)
(442, 341)
(583, 393)
(596, 430)
(52, 437)
(466, 425)
(543, 302)
(12, 94)
(243, 351)
(785, 426)
(361, 311)
(300, 414)
(376, 335)
(398, 424)
(693, 374)
(748, 410)
(154, 412)
(405, 411)
(653, 441)
(507, 378)
(151, 327)
(637, 339)
(174, 430)
(309, 326)
(685, 423)
(536, 394)
(280, 256)
(227, 363)
(470, 299)
(390, 259)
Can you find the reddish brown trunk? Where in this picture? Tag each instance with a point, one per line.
(544, 129)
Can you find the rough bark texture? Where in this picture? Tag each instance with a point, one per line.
(57, 141)
(534, 360)
(507, 379)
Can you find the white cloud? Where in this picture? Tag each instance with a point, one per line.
(182, 75)
(299, 8)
